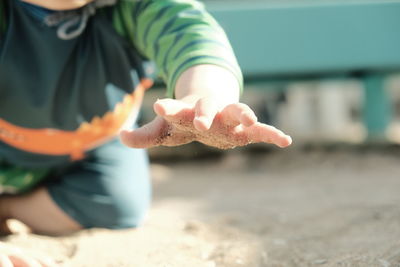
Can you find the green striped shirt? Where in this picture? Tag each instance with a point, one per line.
(175, 34)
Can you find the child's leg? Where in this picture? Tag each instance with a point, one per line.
(109, 189)
(39, 212)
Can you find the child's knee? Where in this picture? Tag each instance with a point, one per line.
(113, 210)
(109, 189)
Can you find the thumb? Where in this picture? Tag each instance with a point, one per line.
(149, 135)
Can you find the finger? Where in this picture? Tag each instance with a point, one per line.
(265, 133)
(175, 111)
(147, 136)
(5, 261)
(205, 111)
(238, 113)
(169, 107)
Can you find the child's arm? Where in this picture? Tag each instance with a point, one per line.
(197, 63)
(206, 110)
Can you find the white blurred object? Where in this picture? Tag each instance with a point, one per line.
(323, 111)
(297, 115)
(333, 110)
(393, 87)
(335, 101)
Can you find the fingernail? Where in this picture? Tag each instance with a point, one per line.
(289, 139)
(159, 109)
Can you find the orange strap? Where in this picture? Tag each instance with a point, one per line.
(74, 143)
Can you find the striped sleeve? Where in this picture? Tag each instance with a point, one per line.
(178, 34)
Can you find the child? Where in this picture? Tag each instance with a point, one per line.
(72, 74)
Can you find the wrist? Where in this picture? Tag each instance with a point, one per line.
(212, 81)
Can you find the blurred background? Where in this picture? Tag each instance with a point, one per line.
(327, 72)
(327, 69)
(322, 70)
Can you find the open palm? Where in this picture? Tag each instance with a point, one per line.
(204, 121)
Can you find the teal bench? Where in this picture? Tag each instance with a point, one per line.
(286, 39)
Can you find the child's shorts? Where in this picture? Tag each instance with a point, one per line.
(110, 188)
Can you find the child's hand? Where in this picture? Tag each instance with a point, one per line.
(207, 110)
(205, 121)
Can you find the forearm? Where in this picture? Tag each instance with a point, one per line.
(208, 81)
(178, 35)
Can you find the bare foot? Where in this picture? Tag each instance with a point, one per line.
(13, 257)
(4, 228)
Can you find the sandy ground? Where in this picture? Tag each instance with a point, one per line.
(308, 206)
